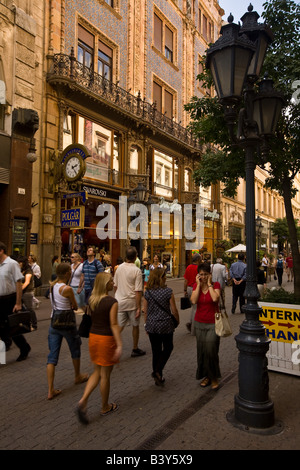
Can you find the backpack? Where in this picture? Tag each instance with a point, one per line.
(279, 263)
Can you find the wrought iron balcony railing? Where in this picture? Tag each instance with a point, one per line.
(66, 67)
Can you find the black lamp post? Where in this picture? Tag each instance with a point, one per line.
(235, 61)
(138, 196)
(259, 227)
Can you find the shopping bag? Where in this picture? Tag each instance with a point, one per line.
(222, 325)
(185, 303)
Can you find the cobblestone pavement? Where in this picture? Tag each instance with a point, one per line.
(179, 416)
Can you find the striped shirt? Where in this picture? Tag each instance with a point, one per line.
(90, 271)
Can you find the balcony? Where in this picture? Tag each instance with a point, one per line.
(66, 72)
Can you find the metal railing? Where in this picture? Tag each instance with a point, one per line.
(66, 66)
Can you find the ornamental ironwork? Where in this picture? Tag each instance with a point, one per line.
(66, 69)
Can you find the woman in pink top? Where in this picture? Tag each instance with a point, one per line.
(206, 296)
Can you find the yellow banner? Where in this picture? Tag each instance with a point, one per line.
(282, 321)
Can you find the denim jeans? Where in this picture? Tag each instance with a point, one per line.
(55, 338)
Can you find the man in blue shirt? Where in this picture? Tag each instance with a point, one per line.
(91, 267)
(238, 275)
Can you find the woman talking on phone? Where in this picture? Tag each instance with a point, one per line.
(206, 296)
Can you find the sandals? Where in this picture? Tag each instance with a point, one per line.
(113, 407)
(205, 382)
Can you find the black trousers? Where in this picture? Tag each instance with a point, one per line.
(7, 304)
(238, 294)
(279, 272)
(162, 346)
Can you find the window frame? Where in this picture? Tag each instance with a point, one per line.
(165, 49)
(164, 89)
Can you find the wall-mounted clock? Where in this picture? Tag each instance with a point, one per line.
(74, 167)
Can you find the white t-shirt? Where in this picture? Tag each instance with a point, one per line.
(75, 275)
(10, 273)
(128, 280)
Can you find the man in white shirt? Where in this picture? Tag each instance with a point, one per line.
(11, 300)
(128, 284)
(219, 274)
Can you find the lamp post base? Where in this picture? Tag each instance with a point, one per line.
(276, 428)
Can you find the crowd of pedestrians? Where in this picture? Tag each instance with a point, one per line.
(114, 298)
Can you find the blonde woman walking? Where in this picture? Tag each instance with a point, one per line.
(105, 344)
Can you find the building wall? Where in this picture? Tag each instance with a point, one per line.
(21, 53)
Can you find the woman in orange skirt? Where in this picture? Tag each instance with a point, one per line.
(105, 344)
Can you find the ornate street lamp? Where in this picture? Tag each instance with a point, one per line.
(235, 61)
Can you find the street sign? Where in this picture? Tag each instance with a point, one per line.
(82, 194)
(282, 321)
(73, 218)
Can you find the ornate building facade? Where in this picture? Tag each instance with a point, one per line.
(117, 77)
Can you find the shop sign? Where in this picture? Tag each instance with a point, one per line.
(33, 238)
(73, 218)
(100, 192)
(81, 194)
(282, 321)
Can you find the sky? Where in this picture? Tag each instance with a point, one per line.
(239, 7)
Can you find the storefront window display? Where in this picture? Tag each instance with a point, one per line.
(102, 144)
(165, 175)
(78, 240)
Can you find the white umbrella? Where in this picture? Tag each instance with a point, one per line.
(237, 249)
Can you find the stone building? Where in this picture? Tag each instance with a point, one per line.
(117, 77)
(21, 59)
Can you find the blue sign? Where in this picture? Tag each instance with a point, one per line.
(82, 194)
(79, 149)
(71, 218)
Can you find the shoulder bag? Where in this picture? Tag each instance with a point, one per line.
(37, 281)
(174, 320)
(222, 325)
(86, 323)
(62, 319)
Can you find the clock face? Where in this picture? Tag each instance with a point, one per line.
(73, 168)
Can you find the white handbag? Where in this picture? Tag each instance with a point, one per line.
(222, 325)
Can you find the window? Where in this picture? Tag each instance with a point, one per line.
(104, 147)
(169, 44)
(204, 27)
(164, 100)
(135, 157)
(158, 25)
(166, 174)
(163, 38)
(187, 180)
(100, 62)
(85, 50)
(104, 61)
